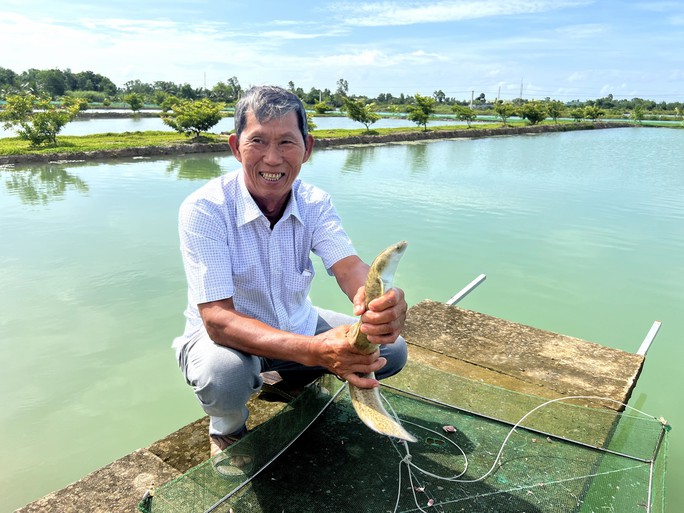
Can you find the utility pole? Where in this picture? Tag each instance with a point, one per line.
(521, 89)
(472, 96)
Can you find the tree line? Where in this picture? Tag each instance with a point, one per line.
(98, 89)
(31, 110)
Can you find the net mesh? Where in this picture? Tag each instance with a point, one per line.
(560, 457)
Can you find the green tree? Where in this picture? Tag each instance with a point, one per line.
(534, 112)
(593, 113)
(8, 81)
(310, 122)
(439, 96)
(555, 108)
(168, 103)
(36, 119)
(75, 102)
(504, 110)
(136, 86)
(135, 101)
(89, 81)
(322, 107)
(577, 114)
(637, 114)
(422, 110)
(193, 116)
(359, 111)
(464, 114)
(51, 82)
(187, 92)
(226, 92)
(341, 92)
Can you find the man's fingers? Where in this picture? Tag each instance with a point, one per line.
(361, 382)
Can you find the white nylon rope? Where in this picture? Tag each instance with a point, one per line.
(408, 460)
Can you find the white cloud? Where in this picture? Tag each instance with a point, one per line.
(577, 76)
(582, 31)
(292, 35)
(409, 13)
(120, 49)
(381, 59)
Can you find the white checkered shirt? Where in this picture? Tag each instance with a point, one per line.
(230, 251)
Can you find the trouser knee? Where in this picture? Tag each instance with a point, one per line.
(223, 380)
(396, 354)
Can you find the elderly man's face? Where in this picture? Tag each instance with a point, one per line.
(271, 154)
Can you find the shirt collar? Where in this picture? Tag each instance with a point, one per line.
(250, 210)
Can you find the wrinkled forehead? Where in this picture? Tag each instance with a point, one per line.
(283, 125)
(283, 120)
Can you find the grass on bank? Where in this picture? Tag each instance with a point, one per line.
(343, 132)
(99, 142)
(111, 141)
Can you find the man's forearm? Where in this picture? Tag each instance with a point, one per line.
(350, 273)
(230, 328)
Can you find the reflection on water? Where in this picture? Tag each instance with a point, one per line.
(417, 156)
(202, 168)
(356, 157)
(44, 183)
(41, 185)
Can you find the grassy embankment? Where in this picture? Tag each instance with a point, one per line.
(100, 142)
(113, 141)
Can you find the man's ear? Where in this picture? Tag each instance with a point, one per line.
(309, 143)
(233, 141)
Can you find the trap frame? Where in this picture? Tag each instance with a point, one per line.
(563, 455)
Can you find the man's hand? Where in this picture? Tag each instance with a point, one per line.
(335, 353)
(383, 321)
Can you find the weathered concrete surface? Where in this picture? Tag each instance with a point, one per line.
(189, 446)
(520, 357)
(117, 487)
(442, 339)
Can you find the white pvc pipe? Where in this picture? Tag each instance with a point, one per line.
(646, 344)
(466, 290)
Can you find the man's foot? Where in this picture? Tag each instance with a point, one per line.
(277, 389)
(235, 463)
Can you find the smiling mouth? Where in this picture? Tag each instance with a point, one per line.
(271, 177)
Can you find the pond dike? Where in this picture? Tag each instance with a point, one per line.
(223, 147)
(488, 356)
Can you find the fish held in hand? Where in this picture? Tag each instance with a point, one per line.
(367, 401)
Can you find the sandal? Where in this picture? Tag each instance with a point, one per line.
(235, 462)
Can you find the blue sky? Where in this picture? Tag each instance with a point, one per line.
(564, 49)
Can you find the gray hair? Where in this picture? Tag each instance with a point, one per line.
(267, 103)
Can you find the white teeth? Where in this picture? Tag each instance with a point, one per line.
(271, 177)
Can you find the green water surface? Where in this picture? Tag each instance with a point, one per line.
(579, 233)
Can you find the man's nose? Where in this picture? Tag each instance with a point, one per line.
(273, 155)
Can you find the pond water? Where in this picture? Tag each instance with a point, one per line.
(579, 233)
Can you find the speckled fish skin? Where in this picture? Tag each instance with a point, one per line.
(367, 401)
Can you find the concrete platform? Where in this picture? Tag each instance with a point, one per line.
(442, 339)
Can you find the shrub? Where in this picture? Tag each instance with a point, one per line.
(35, 119)
(193, 116)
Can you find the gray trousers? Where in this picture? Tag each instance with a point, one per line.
(224, 379)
